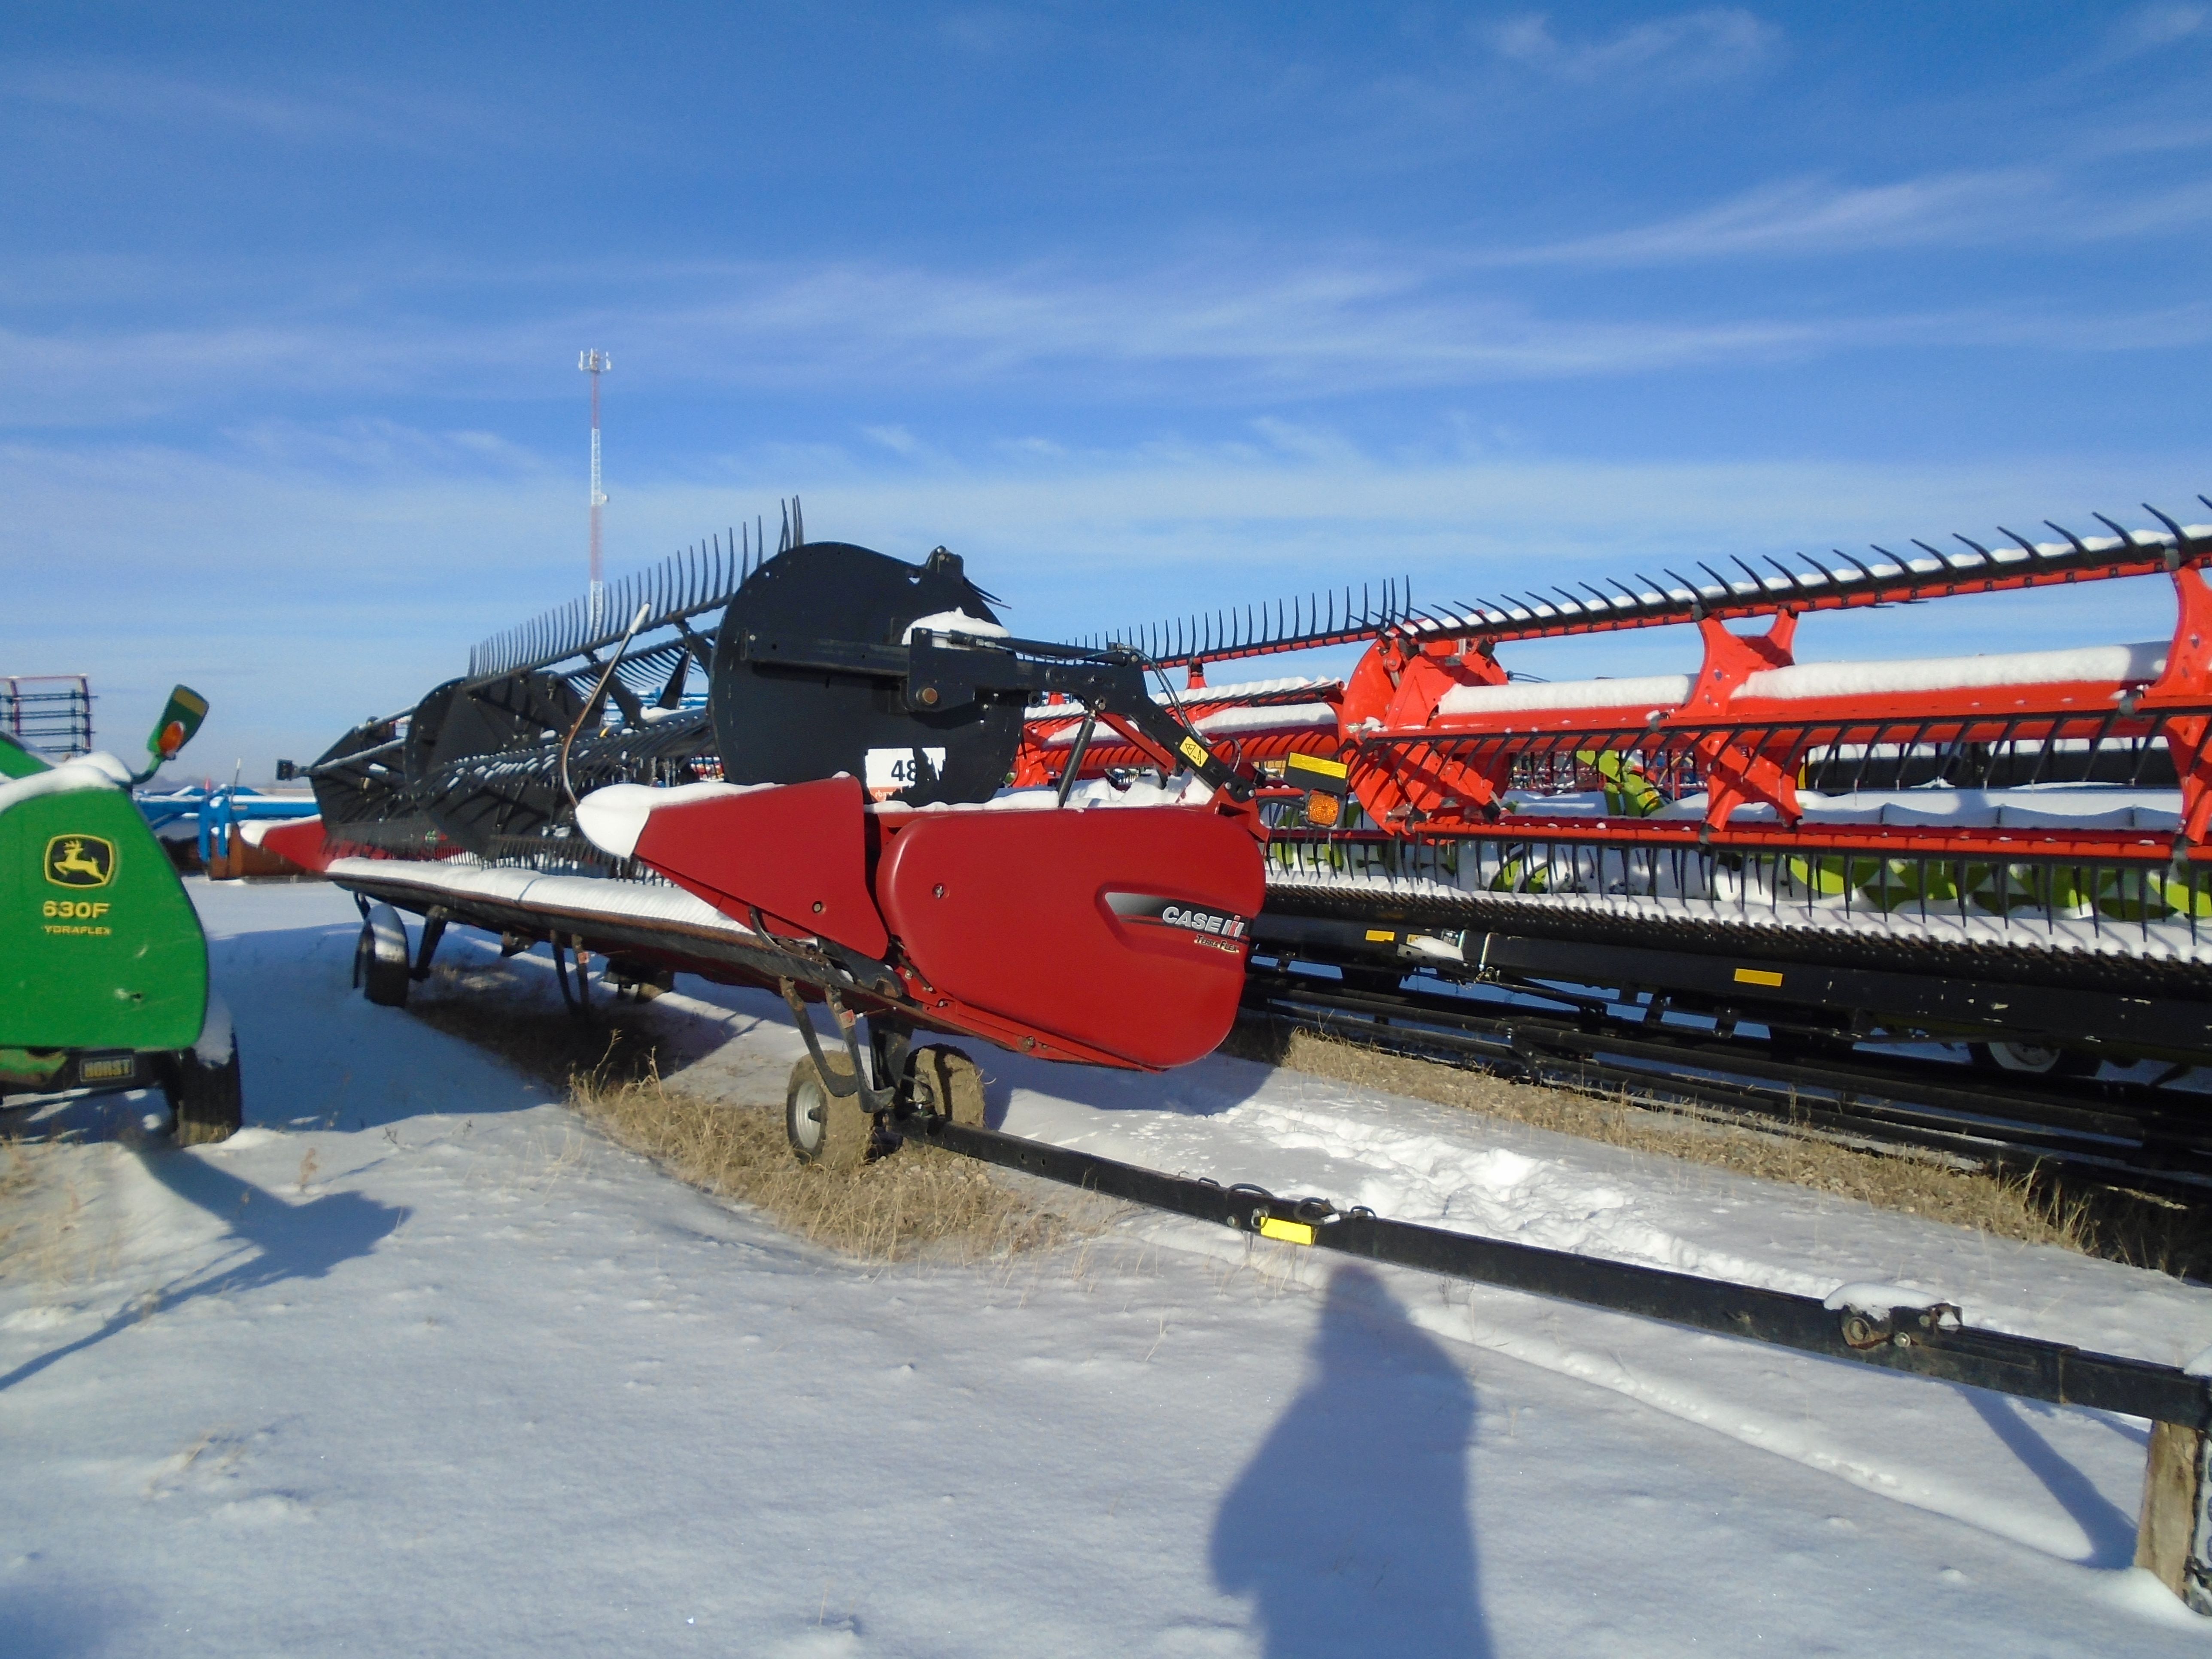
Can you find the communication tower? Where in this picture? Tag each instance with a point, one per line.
(596, 363)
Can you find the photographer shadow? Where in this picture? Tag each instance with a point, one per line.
(1349, 1531)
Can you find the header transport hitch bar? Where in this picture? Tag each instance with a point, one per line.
(2175, 1540)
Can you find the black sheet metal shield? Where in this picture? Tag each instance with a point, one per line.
(459, 721)
(781, 725)
(454, 743)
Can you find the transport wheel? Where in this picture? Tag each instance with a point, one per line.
(641, 980)
(380, 965)
(2032, 1060)
(208, 1098)
(954, 1083)
(824, 1129)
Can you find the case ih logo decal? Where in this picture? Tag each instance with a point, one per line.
(80, 861)
(1170, 912)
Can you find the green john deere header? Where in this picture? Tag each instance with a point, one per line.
(103, 966)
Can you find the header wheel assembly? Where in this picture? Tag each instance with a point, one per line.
(826, 1128)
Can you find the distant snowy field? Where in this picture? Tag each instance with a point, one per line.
(418, 1364)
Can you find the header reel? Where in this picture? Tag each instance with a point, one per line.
(830, 660)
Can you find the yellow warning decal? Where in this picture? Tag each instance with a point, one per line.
(1194, 751)
(1377, 936)
(1758, 976)
(1290, 1233)
(1327, 768)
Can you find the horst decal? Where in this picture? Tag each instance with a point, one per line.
(80, 861)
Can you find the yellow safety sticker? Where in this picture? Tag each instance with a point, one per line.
(1194, 751)
(1334, 772)
(1758, 976)
(1290, 1233)
(1377, 936)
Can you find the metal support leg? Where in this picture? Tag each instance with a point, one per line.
(875, 1099)
(579, 1001)
(1075, 755)
(891, 1044)
(434, 929)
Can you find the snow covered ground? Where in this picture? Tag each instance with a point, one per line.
(417, 1364)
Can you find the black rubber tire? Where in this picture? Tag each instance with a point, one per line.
(641, 981)
(208, 1102)
(2032, 1060)
(954, 1084)
(831, 1130)
(383, 982)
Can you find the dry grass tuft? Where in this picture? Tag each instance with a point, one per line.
(2037, 1208)
(46, 1236)
(919, 1204)
(19, 1176)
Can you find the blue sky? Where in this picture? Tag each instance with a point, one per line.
(1140, 307)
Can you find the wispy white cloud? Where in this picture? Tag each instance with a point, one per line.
(1212, 337)
(993, 31)
(2148, 29)
(88, 375)
(2142, 137)
(1301, 440)
(1711, 44)
(1032, 448)
(1324, 328)
(333, 113)
(361, 444)
(1813, 215)
(1216, 339)
(896, 439)
(2026, 206)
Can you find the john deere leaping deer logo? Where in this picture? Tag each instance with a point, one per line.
(80, 861)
